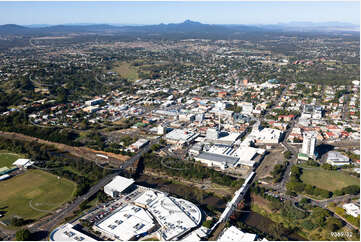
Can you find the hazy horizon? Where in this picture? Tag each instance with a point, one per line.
(145, 13)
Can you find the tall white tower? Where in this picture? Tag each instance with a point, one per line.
(309, 144)
(161, 130)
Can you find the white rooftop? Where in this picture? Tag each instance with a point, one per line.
(119, 184)
(231, 137)
(266, 135)
(351, 209)
(66, 232)
(127, 222)
(177, 216)
(234, 234)
(337, 157)
(181, 135)
(23, 162)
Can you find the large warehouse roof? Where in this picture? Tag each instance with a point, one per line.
(127, 222)
(176, 216)
(66, 232)
(181, 135)
(231, 161)
(119, 184)
(234, 234)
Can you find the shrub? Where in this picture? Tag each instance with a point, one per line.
(307, 224)
(22, 235)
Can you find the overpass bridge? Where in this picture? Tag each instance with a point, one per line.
(232, 205)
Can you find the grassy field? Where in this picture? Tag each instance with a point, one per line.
(329, 180)
(8, 158)
(127, 71)
(42, 189)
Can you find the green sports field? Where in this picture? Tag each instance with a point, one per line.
(8, 158)
(33, 194)
(329, 180)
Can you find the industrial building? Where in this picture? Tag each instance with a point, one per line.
(23, 163)
(222, 161)
(94, 102)
(176, 216)
(212, 134)
(225, 156)
(249, 156)
(126, 223)
(67, 232)
(147, 210)
(186, 117)
(335, 158)
(181, 135)
(196, 149)
(118, 185)
(247, 108)
(264, 135)
(91, 109)
(140, 143)
(234, 234)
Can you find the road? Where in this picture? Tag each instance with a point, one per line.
(293, 159)
(58, 218)
(345, 104)
(323, 204)
(284, 142)
(50, 222)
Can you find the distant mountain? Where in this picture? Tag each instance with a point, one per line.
(12, 28)
(321, 24)
(187, 26)
(36, 25)
(79, 28)
(311, 26)
(186, 29)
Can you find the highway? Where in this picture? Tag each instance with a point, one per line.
(49, 223)
(56, 219)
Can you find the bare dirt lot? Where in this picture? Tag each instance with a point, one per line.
(274, 157)
(82, 152)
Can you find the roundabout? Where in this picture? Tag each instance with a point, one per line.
(163, 163)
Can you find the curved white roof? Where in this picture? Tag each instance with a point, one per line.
(66, 232)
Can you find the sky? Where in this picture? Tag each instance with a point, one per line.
(241, 12)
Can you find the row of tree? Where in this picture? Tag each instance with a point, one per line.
(297, 186)
(188, 170)
(83, 172)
